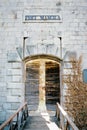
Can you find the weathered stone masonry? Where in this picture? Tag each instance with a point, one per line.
(66, 36)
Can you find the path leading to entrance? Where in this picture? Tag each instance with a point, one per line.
(41, 121)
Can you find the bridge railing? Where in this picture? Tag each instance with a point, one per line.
(64, 121)
(17, 120)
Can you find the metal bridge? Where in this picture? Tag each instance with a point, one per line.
(22, 119)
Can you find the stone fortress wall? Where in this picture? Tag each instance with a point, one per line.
(57, 27)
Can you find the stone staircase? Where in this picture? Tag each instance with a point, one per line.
(41, 121)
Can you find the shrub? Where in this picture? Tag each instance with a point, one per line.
(76, 94)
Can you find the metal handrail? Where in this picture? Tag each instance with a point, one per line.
(21, 115)
(65, 121)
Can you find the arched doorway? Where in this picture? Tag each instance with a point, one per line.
(42, 84)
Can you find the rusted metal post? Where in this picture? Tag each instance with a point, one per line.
(24, 38)
(60, 47)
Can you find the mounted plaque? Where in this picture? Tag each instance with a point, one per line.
(27, 17)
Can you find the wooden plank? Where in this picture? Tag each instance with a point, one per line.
(11, 118)
(67, 117)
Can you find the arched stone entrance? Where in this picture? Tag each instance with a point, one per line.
(42, 84)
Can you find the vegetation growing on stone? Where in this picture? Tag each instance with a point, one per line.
(76, 99)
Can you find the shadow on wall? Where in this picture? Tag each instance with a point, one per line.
(69, 54)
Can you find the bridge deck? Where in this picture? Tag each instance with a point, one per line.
(41, 121)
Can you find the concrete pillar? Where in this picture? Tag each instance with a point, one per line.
(42, 99)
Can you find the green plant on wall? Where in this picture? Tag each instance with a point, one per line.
(76, 94)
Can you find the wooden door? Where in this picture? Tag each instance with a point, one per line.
(31, 86)
(52, 84)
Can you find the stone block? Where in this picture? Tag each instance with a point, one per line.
(3, 99)
(2, 93)
(16, 65)
(17, 79)
(13, 99)
(17, 72)
(0, 108)
(9, 78)
(14, 72)
(13, 57)
(15, 106)
(3, 84)
(3, 89)
(9, 72)
(7, 106)
(15, 85)
(9, 65)
(2, 116)
(16, 92)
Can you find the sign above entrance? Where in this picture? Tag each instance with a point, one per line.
(42, 17)
(27, 17)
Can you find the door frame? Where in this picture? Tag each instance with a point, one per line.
(59, 61)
